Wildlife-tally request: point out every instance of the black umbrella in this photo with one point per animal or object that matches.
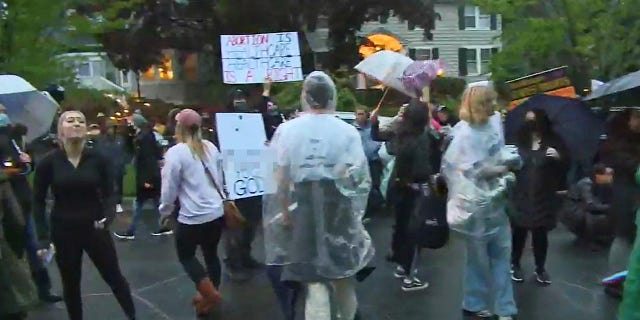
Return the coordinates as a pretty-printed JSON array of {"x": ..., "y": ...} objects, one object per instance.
[
  {"x": 619, "y": 92},
  {"x": 571, "y": 119}
]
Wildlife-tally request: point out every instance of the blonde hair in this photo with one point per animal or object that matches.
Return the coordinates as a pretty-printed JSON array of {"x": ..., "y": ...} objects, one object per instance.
[
  {"x": 477, "y": 104},
  {"x": 192, "y": 137},
  {"x": 62, "y": 119}
]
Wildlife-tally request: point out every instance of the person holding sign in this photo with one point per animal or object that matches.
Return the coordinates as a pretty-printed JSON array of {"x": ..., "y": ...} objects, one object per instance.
[
  {"x": 313, "y": 223},
  {"x": 238, "y": 242},
  {"x": 192, "y": 174}
]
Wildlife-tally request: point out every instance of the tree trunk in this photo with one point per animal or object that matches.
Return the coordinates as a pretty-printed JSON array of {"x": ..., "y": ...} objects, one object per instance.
[{"x": 138, "y": 84}]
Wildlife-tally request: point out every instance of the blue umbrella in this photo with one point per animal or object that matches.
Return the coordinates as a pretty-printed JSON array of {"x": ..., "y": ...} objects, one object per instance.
[
  {"x": 25, "y": 104},
  {"x": 571, "y": 119}
]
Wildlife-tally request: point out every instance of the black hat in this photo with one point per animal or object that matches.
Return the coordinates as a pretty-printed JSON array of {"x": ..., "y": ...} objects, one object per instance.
[{"x": 239, "y": 94}]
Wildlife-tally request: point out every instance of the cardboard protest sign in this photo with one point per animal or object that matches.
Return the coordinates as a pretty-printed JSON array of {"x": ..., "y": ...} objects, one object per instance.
[
  {"x": 553, "y": 82},
  {"x": 247, "y": 161},
  {"x": 252, "y": 58}
]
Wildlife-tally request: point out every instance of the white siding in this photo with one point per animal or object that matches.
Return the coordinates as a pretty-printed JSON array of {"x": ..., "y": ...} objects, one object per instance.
[{"x": 446, "y": 37}]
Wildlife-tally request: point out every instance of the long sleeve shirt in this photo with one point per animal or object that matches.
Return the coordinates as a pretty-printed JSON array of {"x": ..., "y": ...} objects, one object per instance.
[
  {"x": 184, "y": 178},
  {"x": 81, "y": 195},
  {"x": 371, "y": 147}
]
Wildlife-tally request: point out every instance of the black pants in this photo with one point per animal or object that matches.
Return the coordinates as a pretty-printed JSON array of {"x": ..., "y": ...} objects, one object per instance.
[
  {"x": 540, "y": 245},
  {"x": 72, "y": 241},
  {"x": 402, "y": 245},
  {"x": 238, "y": 242},
  {"x": 376, "y": 200},
  {"x": 118, "y": 187},
  {"x": 206, "y": 236}
]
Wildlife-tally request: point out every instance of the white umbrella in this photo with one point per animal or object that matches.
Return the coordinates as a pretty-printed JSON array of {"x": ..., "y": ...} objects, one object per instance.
[
  {"x": 25, "y": 104},
  {"x": 387, "y": 67}
]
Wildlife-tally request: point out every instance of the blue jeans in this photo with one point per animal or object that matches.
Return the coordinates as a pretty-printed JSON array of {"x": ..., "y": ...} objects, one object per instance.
[
  {"x": 287, "y": 294},
  {"x": 137, "y": 212},
  {"x": 488, "y": 271}
]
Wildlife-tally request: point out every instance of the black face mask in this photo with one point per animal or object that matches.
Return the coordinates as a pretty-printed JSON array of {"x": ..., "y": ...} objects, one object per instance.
[{"x": 241, "y": 105}]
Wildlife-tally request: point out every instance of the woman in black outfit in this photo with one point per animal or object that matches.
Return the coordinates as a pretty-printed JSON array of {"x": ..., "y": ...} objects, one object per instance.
[
  {"x": 412, "y": 143},
  {"x": 83, "y": 208},
  {"x": 546, "y": 161}
]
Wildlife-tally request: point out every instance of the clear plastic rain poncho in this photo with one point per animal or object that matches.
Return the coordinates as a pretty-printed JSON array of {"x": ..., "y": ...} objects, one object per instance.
[
  {"x": 477, "y": 193},
  {"x": 313, "y": 223}
]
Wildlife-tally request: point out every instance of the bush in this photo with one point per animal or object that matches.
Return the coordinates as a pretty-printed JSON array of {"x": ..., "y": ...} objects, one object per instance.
[
  {"x": 447, "y": 88},
  {"x": 89, "y": 101}
]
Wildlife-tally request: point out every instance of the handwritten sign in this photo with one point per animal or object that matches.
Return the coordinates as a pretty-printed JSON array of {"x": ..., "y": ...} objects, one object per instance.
[
  {"x": 246, "y": 161},
  {"x": 252, "y": 58}
]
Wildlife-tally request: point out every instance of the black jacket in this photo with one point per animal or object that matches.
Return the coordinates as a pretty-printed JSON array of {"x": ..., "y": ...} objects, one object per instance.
[
  {"x": 535, "y": 194},
  {"x": 148, "y": 155}
]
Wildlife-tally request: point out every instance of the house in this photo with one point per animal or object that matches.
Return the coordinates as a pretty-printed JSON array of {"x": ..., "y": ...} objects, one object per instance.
[{"x": 464, "y": 39}]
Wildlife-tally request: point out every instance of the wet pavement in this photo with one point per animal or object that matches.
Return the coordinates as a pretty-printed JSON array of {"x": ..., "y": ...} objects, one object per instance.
[{"x": 163, "y": 292}]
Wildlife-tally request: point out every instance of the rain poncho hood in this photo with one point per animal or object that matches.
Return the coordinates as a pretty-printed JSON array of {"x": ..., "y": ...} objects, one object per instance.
[
  {"x": 477, "y": 196},
  {"x": 313, "y": 223}
]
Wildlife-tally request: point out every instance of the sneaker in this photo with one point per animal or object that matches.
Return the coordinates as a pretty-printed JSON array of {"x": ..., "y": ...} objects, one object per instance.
[
  {"x": 119, "y": 208},
  {"x": 162, "y": 232},
  {"x": 543, "y": 278},
  {"x": 516, "y": 275},
  {"x": 413, "y": 284},
  {"x": 125, "y": 235},
  {"x": 400, "y": 273},
  {"x": 49, "y": 298},
  {"x": 482, "y": 314}
]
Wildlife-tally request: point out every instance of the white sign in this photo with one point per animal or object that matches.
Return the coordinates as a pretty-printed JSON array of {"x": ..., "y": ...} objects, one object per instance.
[
  {"x": 252, "y": 58},
  {"x": 247, "y": 162}
]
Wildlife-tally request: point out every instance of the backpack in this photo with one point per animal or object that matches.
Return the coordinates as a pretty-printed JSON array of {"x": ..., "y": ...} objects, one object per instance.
[{"x": 428, "y": 225}]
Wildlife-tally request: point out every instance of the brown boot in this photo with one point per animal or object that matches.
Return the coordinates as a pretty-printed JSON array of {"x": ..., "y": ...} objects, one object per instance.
[{"x": 207, "y": 297}]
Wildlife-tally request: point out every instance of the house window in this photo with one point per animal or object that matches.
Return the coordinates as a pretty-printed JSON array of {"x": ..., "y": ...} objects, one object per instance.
[
  {"x": 124, "y": 76},
  {"x": 472, "y": 18},
  {"x": 190, "y": 67},
  {"x": 475, "y": 61},
  {"x": 84, "y": 70},
  {"x": 150, "y": 74},
  {"x": 420, "y": 54},
  {"x": 165, "y": 69}
]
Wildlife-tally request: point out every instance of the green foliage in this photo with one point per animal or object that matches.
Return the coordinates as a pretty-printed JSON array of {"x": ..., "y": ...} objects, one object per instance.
[
  {"x": 595, "y": 38},
  {"x": 447, "y": 88},
  {"x": 89, "y": 101},
  {"x": 28, "y": 41}
]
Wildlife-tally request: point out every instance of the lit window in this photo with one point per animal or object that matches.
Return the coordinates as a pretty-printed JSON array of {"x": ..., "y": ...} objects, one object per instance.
[
  {"x": 165, "y": 69},
  {"x": 190, "y": 67},
  {"x": 150, "y": 74}
]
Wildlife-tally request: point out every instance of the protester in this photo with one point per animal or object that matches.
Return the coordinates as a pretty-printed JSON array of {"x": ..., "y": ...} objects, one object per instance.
[
  {"x": 11, "y": 150},
  {"x": 544, "y": 173},
  {"x": 313, "y": 224},
  {"x": 83, "y": 209},
  {"x": 192, "y": 174},
  {"x": 412, "y": 167},
  {"x": 148, "y": 158},
  {"x": 18, "y": 294},
  {"x": 239, "y": 261},
  {"x": 586, "y": 211},
  {"x": 477, "y": 176},
  {"x": 371, "y": 149},
  {"x": 630, "y": 306},
  {"x": 113, "y": 146},
  {"x": 622, "y": 154}
]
